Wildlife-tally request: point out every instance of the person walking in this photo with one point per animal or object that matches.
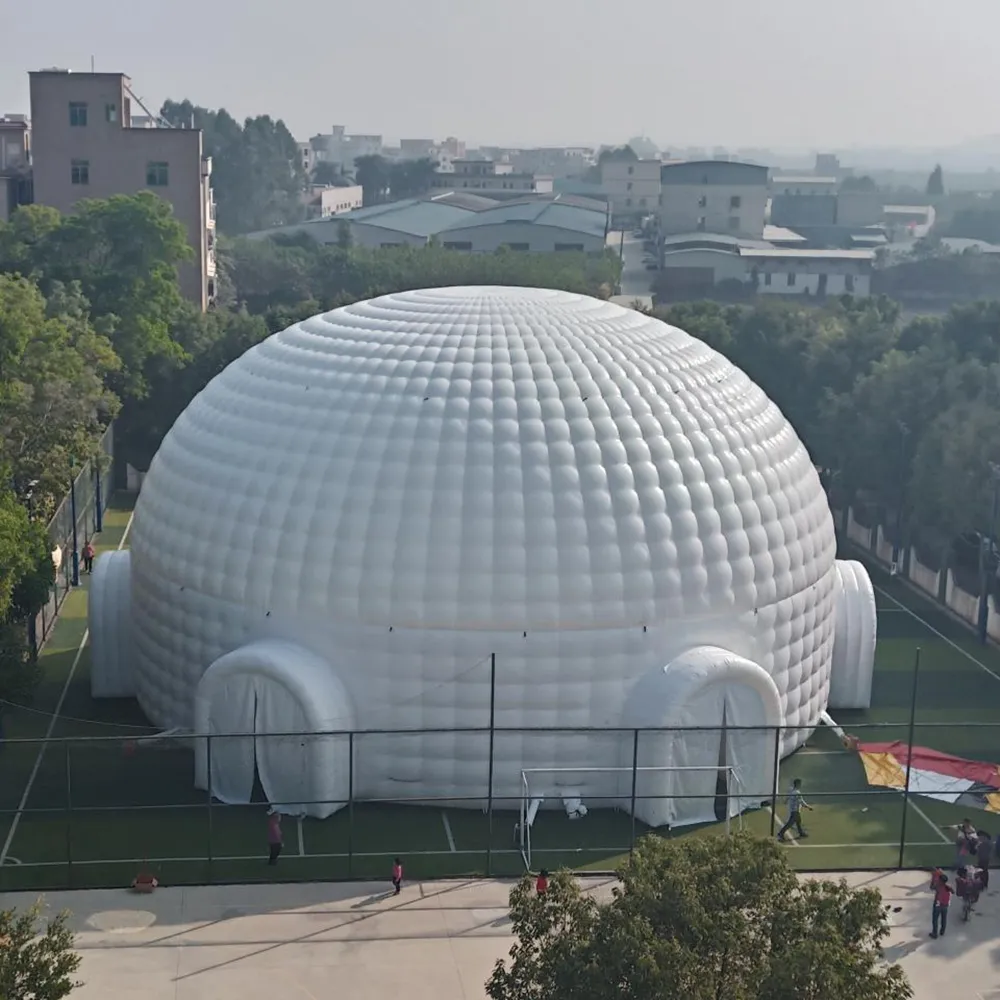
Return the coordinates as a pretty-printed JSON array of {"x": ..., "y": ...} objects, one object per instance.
[
  {"x": 397, "y": 875},
  {"x": 984, "y": 854},
  {"x": 939, "y": 911},
  {"x": 965, "y": 841},
  {"x": 274, "y": 837},
  {"x": 542, "y": 883},
  {"x": 88, "y": 558},
  {"x": 796, "y": 803}
]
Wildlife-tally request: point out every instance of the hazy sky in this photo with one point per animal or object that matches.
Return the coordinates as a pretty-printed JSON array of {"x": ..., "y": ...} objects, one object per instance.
[{"x": 781, "y": 73}]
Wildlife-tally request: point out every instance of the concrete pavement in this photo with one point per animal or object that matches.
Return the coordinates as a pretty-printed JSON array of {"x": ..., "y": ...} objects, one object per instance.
[{"x": 436, "y": 940}]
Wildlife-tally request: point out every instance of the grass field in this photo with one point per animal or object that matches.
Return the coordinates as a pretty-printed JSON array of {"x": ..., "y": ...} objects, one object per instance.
[{"x": 88, "y": 814}]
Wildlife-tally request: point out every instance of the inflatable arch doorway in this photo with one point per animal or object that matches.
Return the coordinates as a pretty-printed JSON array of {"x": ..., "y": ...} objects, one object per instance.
[
  {"x": 274, "y": 695},
  {"x": 726, "y": 694}
]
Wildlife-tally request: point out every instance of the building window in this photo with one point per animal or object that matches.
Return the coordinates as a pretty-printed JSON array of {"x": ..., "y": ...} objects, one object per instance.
[
  {"x": 791, "y": 278},
  {"x": 77, "y": 113},
  {"x": 631, "y": 170},
  {"x": 704, "y": 178},
  {"x": 110, "y": 113},
  {"x": 79, "y": 171},
  {"x": 517, "y": 246},
  {"x": 642, "y": 202},
  {"x": 457, "y": 245},
  {"x": 734, "y": 223},
  {"x": 849, "y": 282},
  {"x": 569, "y": 248},
  {"x": 703, "y": 201},
  {"x": 702, "y": 225},
  {"x": 735, "y": 201},
  {"x": 767, "y": 278},
  {"x": 157, "y": 174},
  {"x": 628, "y": 187}
]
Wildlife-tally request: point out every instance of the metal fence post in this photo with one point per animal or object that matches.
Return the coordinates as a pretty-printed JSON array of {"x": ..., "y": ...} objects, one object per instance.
[
  {"x": 489, "y": 790},
  {"x": 350, "y": 803},
  {"x": 635, "y": 779},
  {"x": 72, "y": 510},
  {"x": 98, "y": 498},
  {"x": 909, "y": 755},
  {"x": 69, "y": 817},
  {"x": 208, "y": 760},
  {"x": 774, "y": 779}
]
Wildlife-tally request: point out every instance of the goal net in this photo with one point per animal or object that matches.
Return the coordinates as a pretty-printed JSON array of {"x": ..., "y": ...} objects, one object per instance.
[{"x": 562, "y": 785}]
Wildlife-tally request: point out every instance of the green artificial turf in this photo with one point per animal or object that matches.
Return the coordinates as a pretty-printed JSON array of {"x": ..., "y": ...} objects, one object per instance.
[{"x": 99, "y": 809}]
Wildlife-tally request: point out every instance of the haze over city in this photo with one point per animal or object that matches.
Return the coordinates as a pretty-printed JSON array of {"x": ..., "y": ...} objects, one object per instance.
[{"x": 782, "y": 74}]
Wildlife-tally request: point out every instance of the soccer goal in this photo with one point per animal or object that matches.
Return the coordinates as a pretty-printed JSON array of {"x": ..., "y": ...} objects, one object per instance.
[{"x": 563, "y": 784}]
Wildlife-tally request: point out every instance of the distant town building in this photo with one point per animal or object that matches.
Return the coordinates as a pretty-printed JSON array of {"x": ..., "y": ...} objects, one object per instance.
[
  {"x": 84, "y": 145},
  {"x": 490, "y": 179},
  {"x": 322, "y": 201},
  {"x": 460, "y": 220},
  {"x": 631, "y": 185},
  {"x": 15, "y": 163},
  {"x": 342, "y": 149},
  {"x": 713, "y": 196}
]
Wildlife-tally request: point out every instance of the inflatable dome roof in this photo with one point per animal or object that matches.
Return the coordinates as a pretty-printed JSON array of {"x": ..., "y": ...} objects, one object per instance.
[{"x": 485, "y": 458}]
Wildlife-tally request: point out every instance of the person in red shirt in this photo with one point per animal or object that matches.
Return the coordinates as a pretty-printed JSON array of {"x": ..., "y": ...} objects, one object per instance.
[
  {"x": 939, "y": 913},
  {"x": 397, "y": 875},
  {"x": 542, "y": 882},
  {"x": 88, "y": 558}
]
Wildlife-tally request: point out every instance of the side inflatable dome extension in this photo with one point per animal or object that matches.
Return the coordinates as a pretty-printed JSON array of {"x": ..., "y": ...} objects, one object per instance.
[
  {"x": 262, "y": 705},
  {"x": 737, "y": 703},
  {"x": 855, "y": 634},
  {"x": 109, "y": 614}
]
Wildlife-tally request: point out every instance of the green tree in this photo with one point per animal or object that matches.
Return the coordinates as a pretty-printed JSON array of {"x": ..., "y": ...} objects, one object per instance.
[
  {"x": 257, "y": 171},
  {"x": 373, "y": 174},
  {"x": 935, "y": 183},
  {"x": 411, "y": 178},
  {"x": 644, "y": 147},
  {"x": 333, "y": 174},
  {"x": 36, "y": 962},
  {"x": 699, "y": 918}
]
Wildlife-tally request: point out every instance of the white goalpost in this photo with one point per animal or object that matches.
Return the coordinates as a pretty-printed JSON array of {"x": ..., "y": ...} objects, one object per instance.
[{"x": 541, "y": 783}]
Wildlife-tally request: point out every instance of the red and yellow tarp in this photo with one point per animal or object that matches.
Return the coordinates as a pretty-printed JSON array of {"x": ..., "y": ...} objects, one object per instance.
[{"x": 932, "y": 773}]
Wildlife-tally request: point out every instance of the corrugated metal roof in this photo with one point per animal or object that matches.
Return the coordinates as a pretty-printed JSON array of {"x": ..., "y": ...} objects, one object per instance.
[
  {"x": 782, "y": 235},
  {"x": 415, "y": 218},
  {"x": 540, "y": 213},
  {"x": 808, "y": 254}
]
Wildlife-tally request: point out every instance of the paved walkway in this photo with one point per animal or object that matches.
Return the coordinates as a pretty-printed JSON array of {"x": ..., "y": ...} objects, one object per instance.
[{"x": 437, "y": 940}]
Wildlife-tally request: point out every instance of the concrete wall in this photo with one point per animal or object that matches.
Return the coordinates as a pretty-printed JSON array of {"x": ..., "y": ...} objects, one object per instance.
[
  {"x": 374, "y": 237},
  {"x": 539, "y": 239},
  {"x": 632, "y": 187},
  {"x": 773, "y": 277},
  {"x": 734, "y": 209},
  {"x": 117, "y": 158},
  {"x": 725, "y": 265}
]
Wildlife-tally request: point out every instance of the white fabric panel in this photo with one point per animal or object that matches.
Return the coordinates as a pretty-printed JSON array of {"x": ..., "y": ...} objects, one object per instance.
[
  {"x": 938, "y": 786},
  {"x": 109, "y": 614},
  {"x": 704, "y": 687},
  {"x": 233, "y": 710},
  {"x": 855, "y": 635},
  {"x": 406, "y": 485},
  {"x": 274, "y": 694}
]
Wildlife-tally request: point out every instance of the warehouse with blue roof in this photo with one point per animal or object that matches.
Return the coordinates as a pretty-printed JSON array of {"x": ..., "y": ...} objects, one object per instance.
[{"x": 460, "y": 221}]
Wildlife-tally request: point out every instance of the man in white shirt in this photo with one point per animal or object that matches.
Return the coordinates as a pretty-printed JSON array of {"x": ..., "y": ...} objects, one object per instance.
[{"x": 796, "y": 803}]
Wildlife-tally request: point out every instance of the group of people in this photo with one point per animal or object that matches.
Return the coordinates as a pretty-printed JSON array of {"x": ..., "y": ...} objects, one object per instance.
[
  {"x": 276, "y": 840},
  {"x": 973, "y": 854}
]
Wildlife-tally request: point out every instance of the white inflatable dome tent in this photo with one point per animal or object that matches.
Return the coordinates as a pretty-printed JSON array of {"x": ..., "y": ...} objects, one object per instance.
[{"x": 346, "y": 525}]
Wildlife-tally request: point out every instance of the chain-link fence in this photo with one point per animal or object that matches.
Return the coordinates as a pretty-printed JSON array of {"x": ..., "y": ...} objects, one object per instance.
[
  {"x": 76, "y": 520},
  {"x": 99, "y": 810}
]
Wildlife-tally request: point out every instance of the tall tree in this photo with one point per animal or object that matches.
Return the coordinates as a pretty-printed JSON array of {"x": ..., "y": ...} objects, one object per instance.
[
  {"x": 373, "y": 174},
  {"x": 257, "y": 171},
  {"x": 935, "y": 183},
  {"x": 699, "y": 918},
  {"x": 411, "y": 178}
]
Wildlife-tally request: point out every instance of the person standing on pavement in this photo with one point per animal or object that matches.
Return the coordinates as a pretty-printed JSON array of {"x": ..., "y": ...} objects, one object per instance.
[
  {"x": 984, "y": 854},
  {"x": 275, "y": 840},
  {"x": 939, "y": 912}
]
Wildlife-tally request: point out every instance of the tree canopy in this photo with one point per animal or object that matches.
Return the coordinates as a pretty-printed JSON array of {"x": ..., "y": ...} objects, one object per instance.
[
  {"x": 935, "y": 183},
  {"x": 36, "y": 962},
  {"x": 699, "y": 918},
  {"x": 257, "y": 171}
]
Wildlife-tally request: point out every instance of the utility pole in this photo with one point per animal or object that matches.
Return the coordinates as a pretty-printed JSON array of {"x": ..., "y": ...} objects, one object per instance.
[
  {"x": 986, "y": 547},
  {"x": 897, "y": 542}
]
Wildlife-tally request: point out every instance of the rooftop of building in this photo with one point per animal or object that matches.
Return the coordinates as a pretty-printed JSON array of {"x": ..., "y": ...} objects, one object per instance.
[
  {"x": 554, "y": 212},
  {"x": 796, "y": 254}
]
